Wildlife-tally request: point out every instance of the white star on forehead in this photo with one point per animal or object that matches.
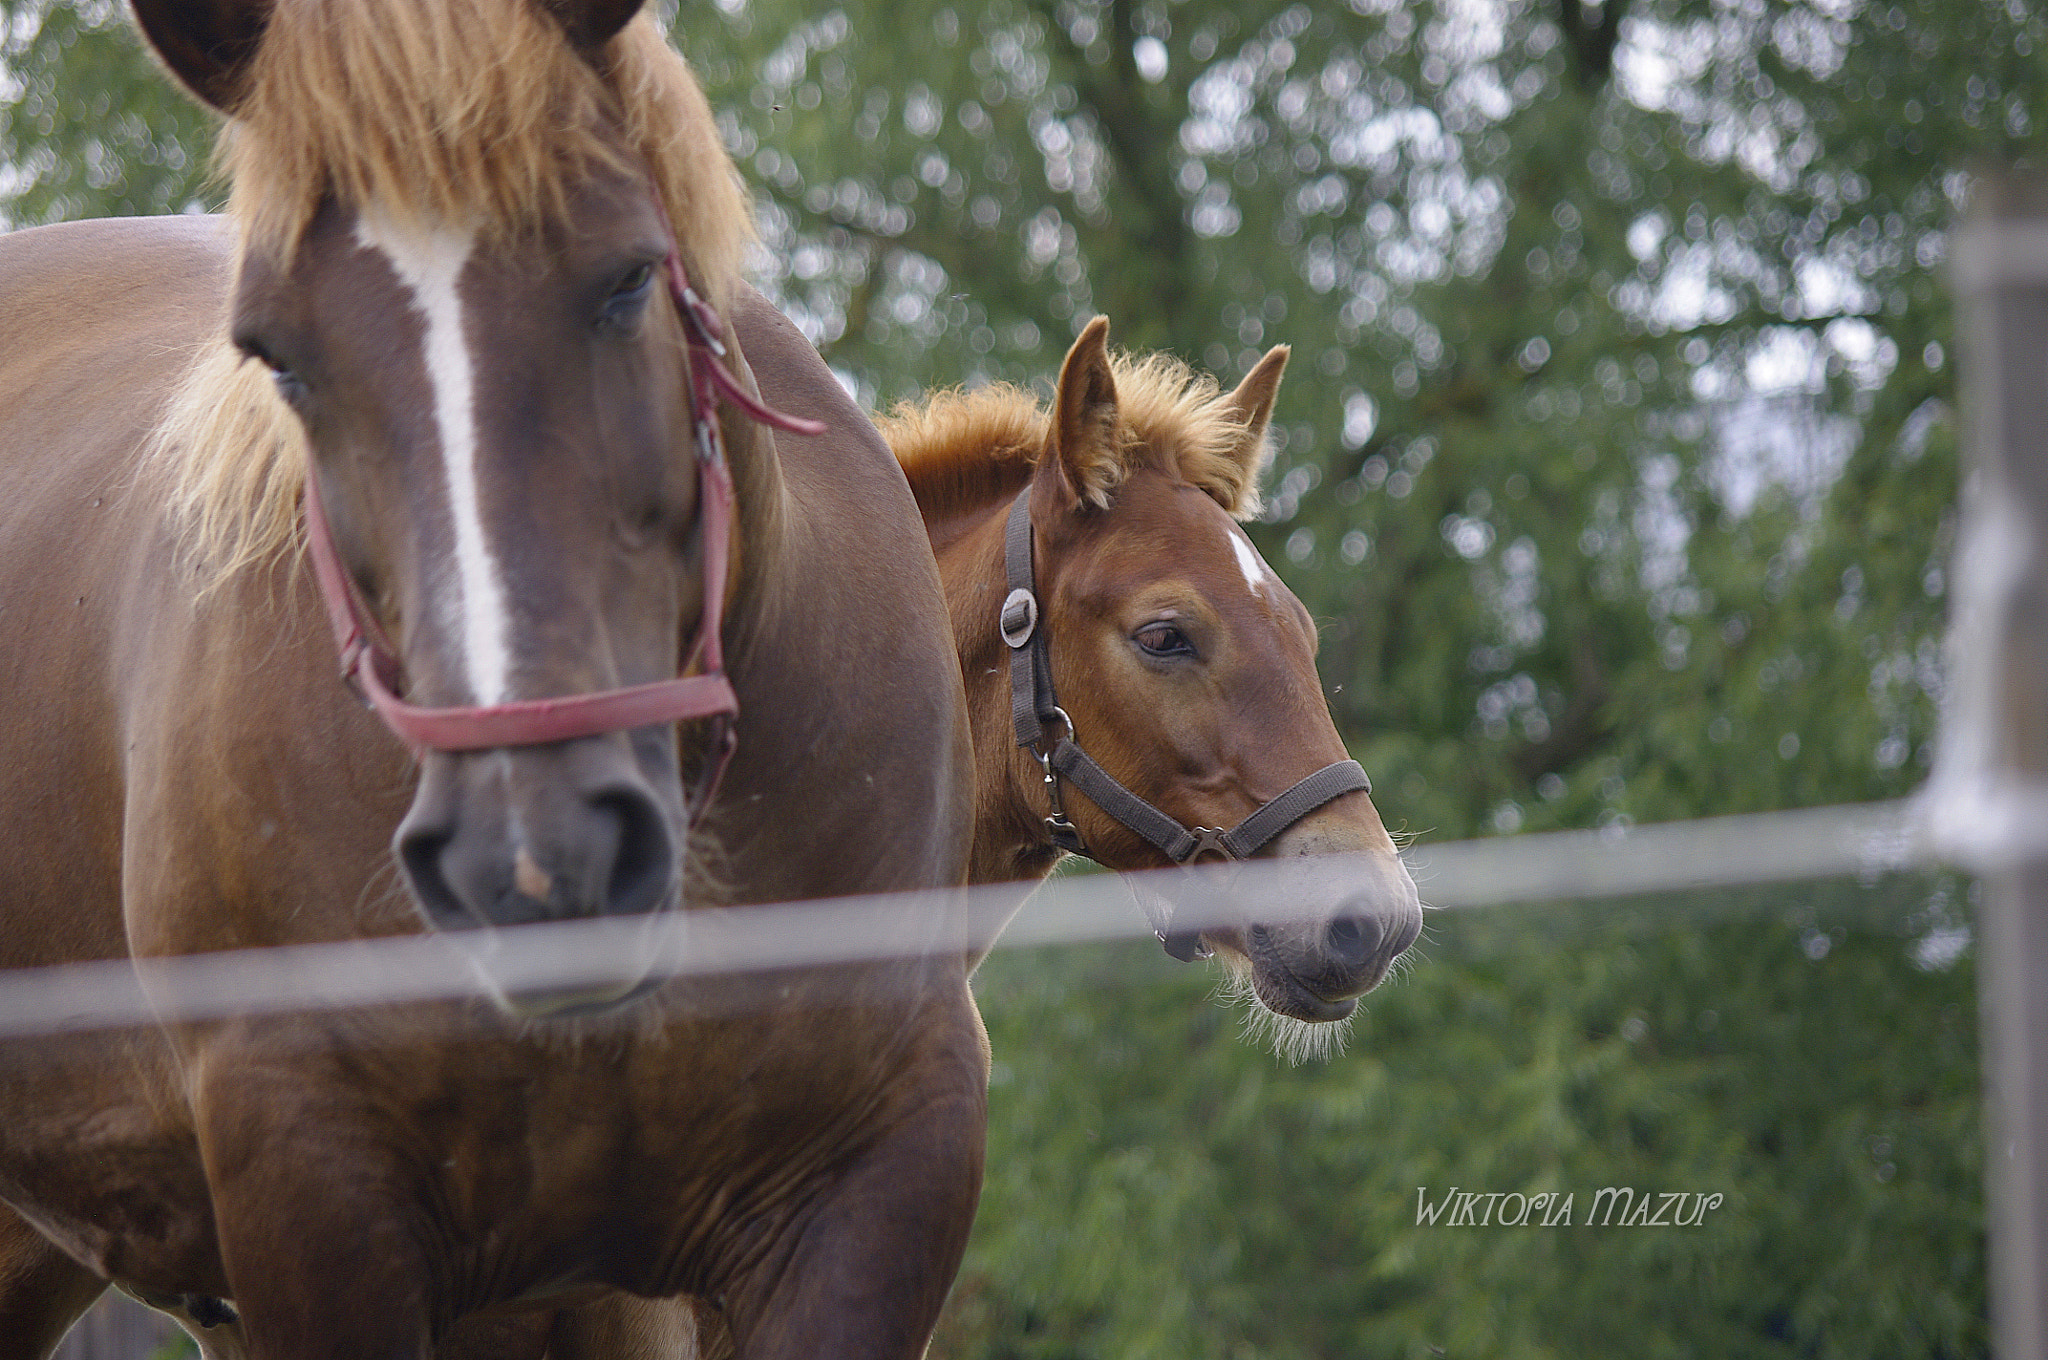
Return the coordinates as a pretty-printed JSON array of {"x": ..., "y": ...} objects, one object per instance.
[{"x": 1256, "y": 572}]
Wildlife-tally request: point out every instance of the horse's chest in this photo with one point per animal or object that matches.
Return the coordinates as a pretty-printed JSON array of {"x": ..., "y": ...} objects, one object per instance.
[{"x": 660, "y": 1164}]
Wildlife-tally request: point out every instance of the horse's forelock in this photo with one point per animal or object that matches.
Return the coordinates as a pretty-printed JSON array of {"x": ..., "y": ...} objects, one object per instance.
[
  {"x": 471, "y": 111},
  {"x": 1185, "y": 420},
  {"x": 966, "y": 446}
]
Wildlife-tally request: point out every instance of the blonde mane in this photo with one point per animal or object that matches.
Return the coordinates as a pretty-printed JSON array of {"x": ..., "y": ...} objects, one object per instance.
[
  {"x": 962, "y": 448},
  {"x": 472, "y": 111}
]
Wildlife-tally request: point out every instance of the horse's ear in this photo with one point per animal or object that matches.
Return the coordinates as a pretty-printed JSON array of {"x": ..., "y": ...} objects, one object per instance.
[
  {"x": 1082, "y": 453},
  {"x": 591, "y": 24},
  {"x": 207, "y": 44},
  {"x": 1252, "y": 406}
]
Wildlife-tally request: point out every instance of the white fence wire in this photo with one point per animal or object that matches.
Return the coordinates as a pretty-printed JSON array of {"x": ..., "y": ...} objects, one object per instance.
[{"x": 1863, "y": 841}]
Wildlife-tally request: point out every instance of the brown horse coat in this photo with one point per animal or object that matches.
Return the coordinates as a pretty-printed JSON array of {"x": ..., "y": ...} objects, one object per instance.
[{"x": 800, "y": 1152}]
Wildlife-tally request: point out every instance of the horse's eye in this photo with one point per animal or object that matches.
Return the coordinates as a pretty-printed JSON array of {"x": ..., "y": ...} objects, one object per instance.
[
  {"x": 622, "y": 306},
  {"x": 1163, "y": 639},
  {"x": 635, "y": 281},
  {"x": 290, "y": 385}
]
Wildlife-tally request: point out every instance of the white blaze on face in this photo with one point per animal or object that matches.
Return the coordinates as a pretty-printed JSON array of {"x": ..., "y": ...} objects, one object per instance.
[
  {"x": 1257, "y": 575},
  {"x": 429, "y": 264}
]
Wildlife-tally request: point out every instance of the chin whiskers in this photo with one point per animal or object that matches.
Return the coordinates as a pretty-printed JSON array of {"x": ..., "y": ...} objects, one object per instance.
[{"x": 1292, "y": 1041}]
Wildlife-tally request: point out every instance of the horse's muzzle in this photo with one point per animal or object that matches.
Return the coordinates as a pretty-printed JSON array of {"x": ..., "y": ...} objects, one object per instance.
[
  {"x": 564, "y": 832},
  {"x": 1332, "y": 936}
]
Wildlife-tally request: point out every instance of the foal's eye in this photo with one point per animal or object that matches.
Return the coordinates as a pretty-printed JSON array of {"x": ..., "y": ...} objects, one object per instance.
[
  {"x": 1163, "y": 639},
  {"x": 622, "y": 306}
]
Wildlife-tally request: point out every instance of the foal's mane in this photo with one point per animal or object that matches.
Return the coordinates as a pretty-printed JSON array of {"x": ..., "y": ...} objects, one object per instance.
[
  {"x": 478, "y": 112},
  {"x": 963, "y": 448}
]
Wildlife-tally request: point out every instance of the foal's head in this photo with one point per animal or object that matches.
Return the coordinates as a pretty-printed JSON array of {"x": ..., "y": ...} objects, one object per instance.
[
  {"x": 455, "y": 218},
  {"x": 1184, "y": 664}
]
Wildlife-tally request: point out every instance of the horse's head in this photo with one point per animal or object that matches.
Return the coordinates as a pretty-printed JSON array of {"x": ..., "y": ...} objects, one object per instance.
[
  {"x": 456, "y": 223},
  {"x": 1187, "y": 671}
]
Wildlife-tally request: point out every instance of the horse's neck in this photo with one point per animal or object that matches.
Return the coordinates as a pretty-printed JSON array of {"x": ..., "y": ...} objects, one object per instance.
[{"x": 1009, "y": 840}]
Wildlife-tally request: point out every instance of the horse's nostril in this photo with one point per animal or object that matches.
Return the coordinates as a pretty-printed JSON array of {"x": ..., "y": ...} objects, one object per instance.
[
  {"x": 643, "y": 857},
  {"x": 1353, "y": 938},
  {"x": 421, "y": 853}
]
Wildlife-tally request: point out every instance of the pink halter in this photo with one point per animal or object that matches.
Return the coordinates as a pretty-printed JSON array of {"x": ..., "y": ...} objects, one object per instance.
[{"x": 372, "y": 668}]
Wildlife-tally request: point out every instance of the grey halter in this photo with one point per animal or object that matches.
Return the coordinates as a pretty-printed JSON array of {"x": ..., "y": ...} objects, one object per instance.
[{"x": 1035, "y": 711}]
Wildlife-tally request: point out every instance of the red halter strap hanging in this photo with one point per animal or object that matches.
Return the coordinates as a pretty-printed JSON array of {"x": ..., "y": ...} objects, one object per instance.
[{"x": 371, "y": 666}]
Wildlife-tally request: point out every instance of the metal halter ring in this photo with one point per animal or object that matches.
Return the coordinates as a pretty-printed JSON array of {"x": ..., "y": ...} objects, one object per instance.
[{"x": 1044, "y": 748}]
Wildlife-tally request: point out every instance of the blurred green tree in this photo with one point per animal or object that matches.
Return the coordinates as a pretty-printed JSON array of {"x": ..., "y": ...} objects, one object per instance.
[
  {"x": 1618, "y": 451},
  {"x": 89, "y": 127}
]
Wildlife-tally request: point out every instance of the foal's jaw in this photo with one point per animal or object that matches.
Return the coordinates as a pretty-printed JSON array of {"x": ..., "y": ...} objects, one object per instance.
[{"x": 1347, "y": 909}]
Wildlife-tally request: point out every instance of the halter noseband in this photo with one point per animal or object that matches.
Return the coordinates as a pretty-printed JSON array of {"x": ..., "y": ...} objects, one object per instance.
[
  {"x": 372, "y": 669},
  {"x": 1034, "y": 709}
]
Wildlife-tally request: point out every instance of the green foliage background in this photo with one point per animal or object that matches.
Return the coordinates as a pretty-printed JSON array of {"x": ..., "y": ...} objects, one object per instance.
[{"x": 1618, "y": 464}]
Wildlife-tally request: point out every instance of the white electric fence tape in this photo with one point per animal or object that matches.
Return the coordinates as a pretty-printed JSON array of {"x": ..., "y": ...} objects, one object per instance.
[{"x": 1865, "y": 841}]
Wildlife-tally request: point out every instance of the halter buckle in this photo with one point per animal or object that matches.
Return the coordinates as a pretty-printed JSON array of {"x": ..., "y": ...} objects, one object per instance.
[
  {"x": 1207, "y": 839},
  {"x": 354, "y": 655},
  {"x": 1042, "y": 752},
  {"x": 1018, "y": 620},
  {"x": 710, "y": 443},
  {"x": 1058, "y": 828}
]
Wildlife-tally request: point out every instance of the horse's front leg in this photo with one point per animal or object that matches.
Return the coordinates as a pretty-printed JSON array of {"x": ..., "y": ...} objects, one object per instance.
[
  {"x": 42, "y": 1290},
  {"x": 869, "y": 1266},
  {"x": 323, "y": 1226}
]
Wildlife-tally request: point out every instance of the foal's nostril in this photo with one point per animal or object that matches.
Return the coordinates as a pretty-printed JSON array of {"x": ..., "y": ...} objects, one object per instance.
[
  {"x": 1408, "y": 932},
  {"x": 643, "y": 852},
  {"x": 1353, "y": 939}
]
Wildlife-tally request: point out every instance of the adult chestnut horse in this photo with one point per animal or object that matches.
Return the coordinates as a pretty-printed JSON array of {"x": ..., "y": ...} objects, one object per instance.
[
  {"x": 1141, "y": 686},
  {"x": 463, "y": 325}
]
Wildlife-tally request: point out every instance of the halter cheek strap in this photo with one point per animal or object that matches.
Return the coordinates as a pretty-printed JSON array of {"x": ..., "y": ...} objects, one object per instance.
[
  {"x": 371, "y": 666},
  {"x": 1035, "y": 711}
]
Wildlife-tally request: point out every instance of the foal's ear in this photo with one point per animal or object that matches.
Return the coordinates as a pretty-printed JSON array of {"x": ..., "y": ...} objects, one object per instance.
[
  {"x": 1082, "y": 457},
  {"x": 207, "y": 44},
  {"x": 591, "y": 24},
  {"x": 1252, "y": 405}
]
